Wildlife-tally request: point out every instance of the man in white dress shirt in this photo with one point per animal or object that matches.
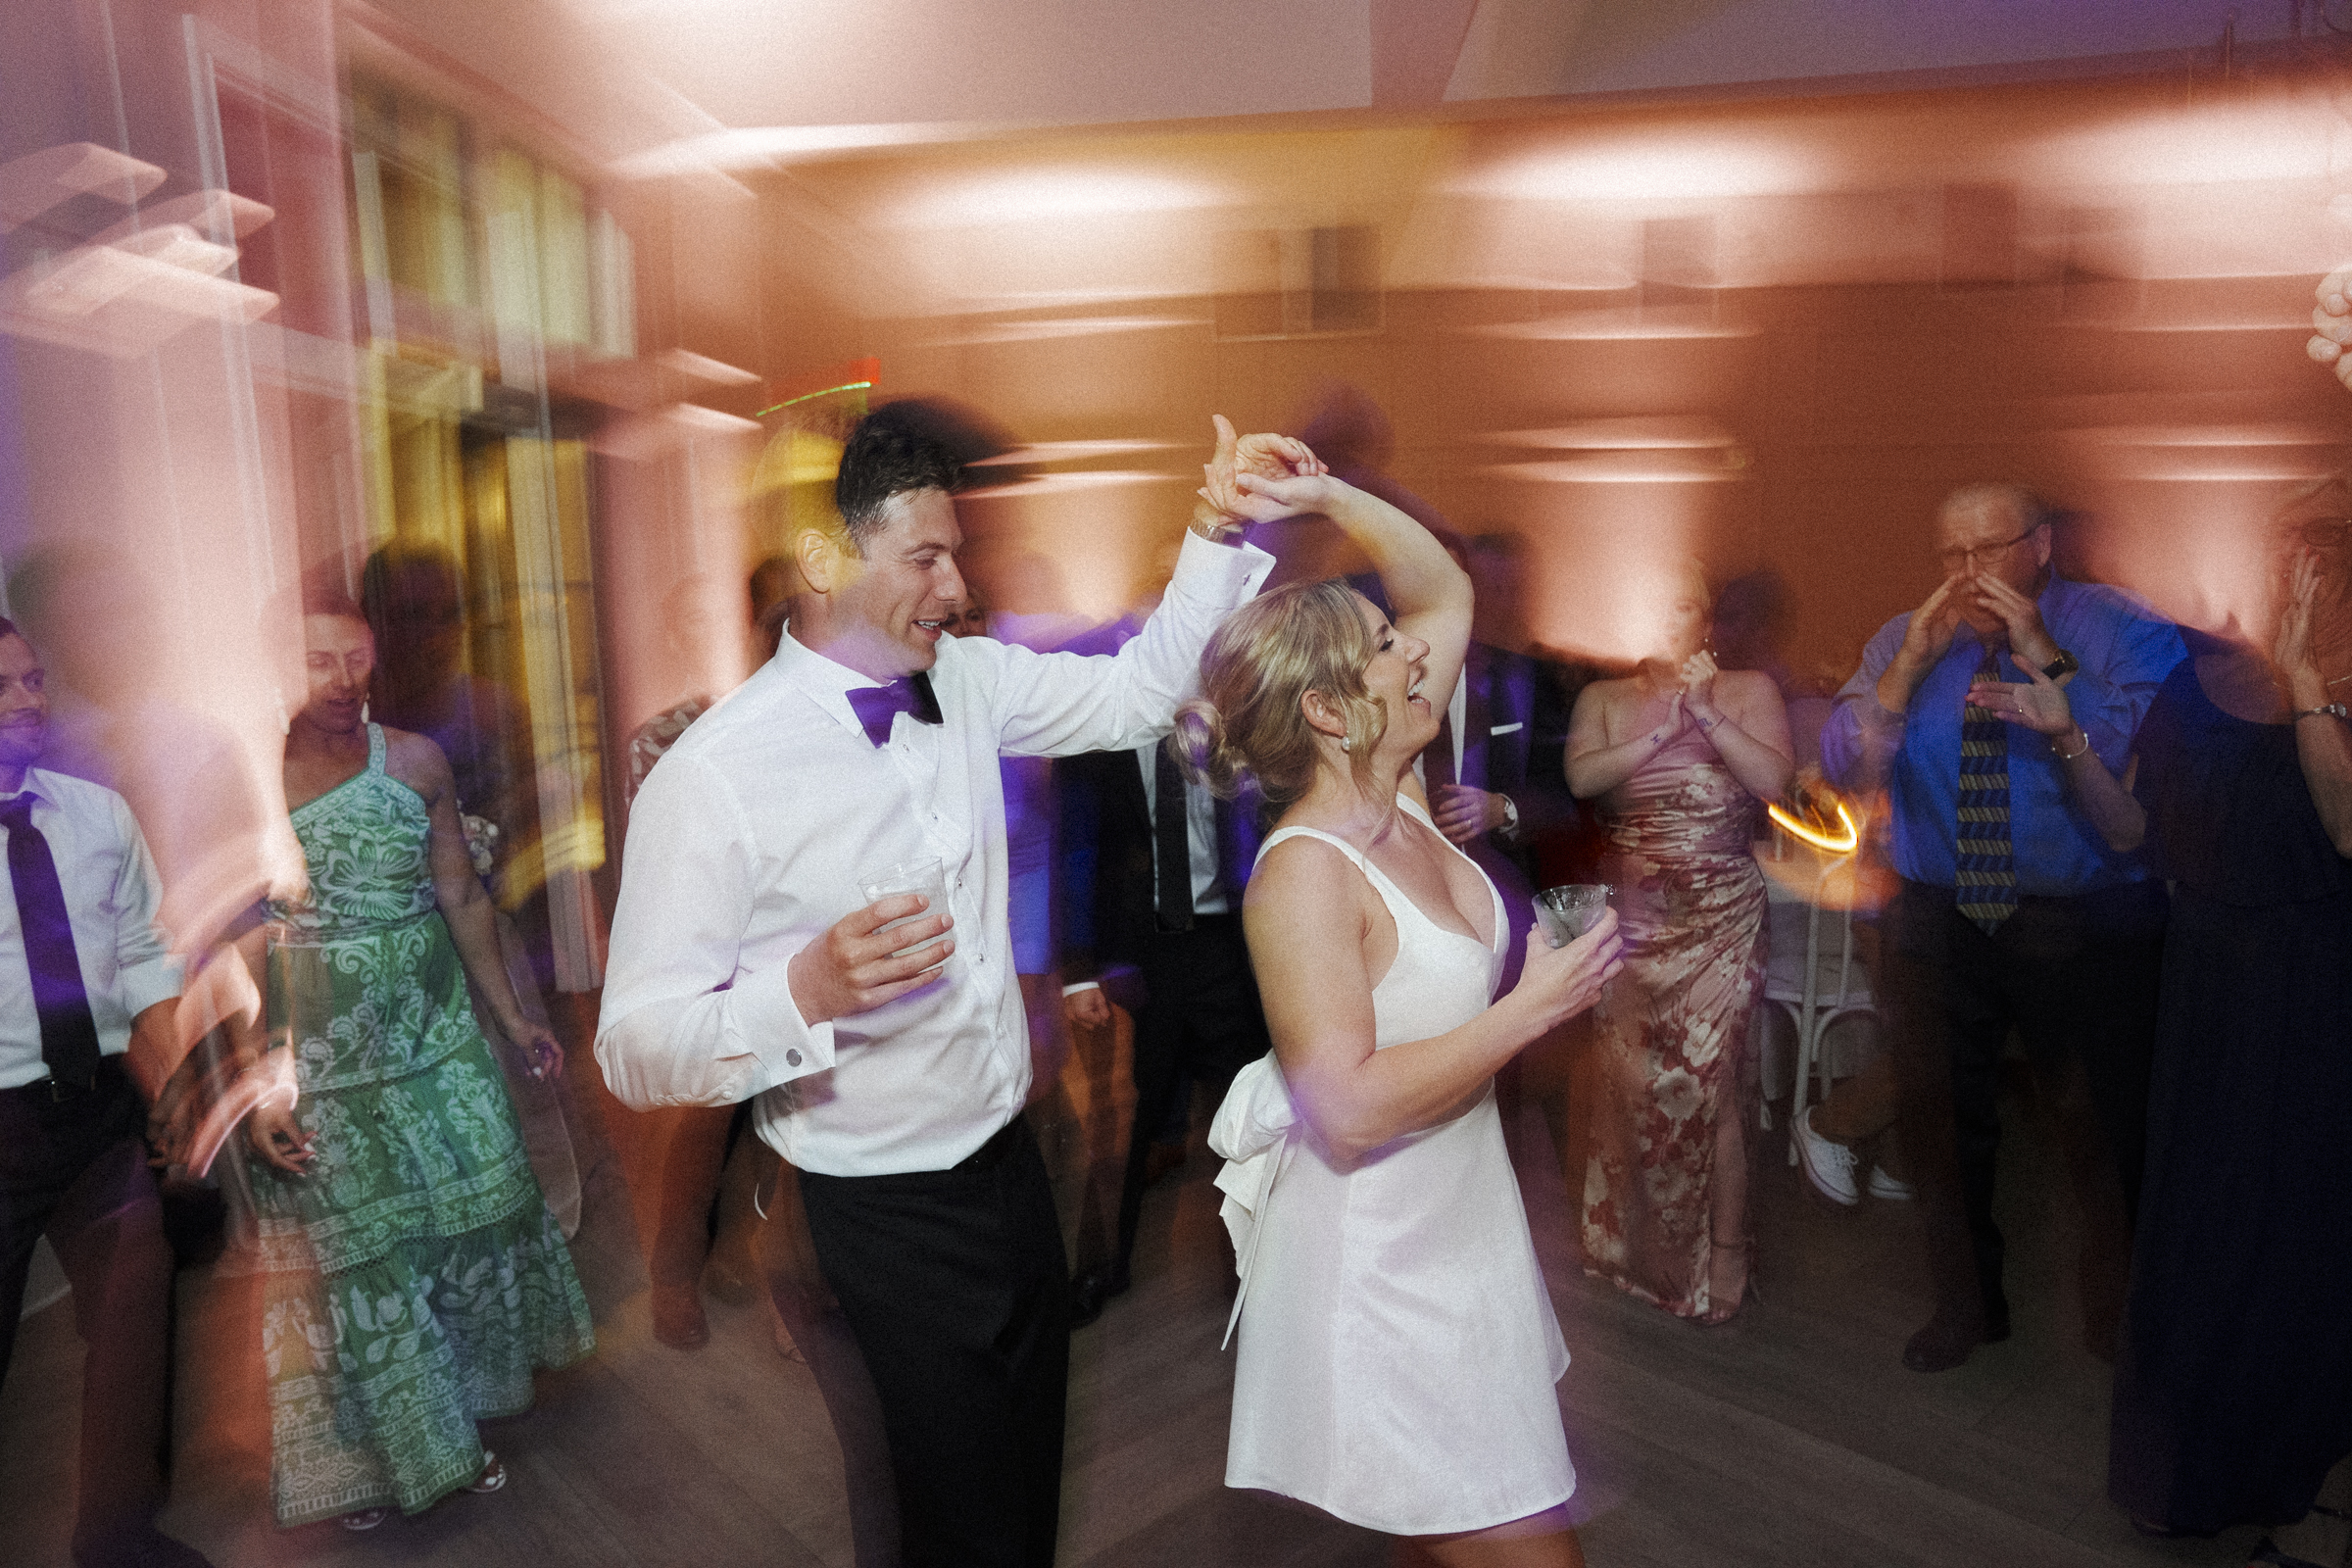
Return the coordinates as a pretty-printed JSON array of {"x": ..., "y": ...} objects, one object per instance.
[
  {"x": 891, "y": 1067},
  {"x": 87, "y": 992}
]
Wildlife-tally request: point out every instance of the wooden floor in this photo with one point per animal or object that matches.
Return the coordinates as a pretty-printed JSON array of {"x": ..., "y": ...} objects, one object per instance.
[{"x": 1793, "y": 1436}]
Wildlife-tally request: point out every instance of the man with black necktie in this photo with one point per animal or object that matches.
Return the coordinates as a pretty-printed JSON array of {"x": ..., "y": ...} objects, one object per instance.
[
  {"x": 1153, "y": 871},
  {"x": 86, "y": 1000}
]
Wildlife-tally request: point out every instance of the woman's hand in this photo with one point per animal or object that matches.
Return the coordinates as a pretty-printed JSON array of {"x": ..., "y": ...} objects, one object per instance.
[
  {"x": 2331, "y": 322},
  {"x": 2039, "y": 704},
  {"x": 1562, "y": 982},
  {"x": 2290, "y": 650},
  {"x": 1274, "y": 457},
  {"x": 1698, "y": 689},
  {"x": 279, "y": 1138},
  {"x": 539, "y": 1047}
]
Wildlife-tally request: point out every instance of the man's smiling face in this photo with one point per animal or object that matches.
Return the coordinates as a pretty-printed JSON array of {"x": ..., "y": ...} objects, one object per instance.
[{"x": 903, "y": 593}]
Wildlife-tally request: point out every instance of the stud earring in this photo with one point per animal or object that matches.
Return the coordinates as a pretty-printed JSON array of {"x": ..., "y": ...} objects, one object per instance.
[{"x": 1346, "y": 745}]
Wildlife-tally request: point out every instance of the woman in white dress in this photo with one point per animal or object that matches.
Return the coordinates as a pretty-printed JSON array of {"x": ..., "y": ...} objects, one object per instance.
[{"x": 1397, "y": 1349}]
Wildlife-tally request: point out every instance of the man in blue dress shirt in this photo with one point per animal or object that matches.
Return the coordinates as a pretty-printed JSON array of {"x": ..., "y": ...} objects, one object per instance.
[{"x": 2013, "y": 912}]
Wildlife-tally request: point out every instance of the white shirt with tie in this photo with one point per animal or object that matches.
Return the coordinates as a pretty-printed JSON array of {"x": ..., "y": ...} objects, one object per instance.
[
  {"x": 754, "y": 834},
  {"x": 112, "y": 896}
]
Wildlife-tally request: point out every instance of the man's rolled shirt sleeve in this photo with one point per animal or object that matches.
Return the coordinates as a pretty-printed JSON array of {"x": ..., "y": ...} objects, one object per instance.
[{"x": 145, "y": 970}]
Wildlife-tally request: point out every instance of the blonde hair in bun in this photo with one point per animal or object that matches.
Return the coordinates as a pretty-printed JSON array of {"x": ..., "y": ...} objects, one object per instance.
[{"x": 1248, "y": 721}]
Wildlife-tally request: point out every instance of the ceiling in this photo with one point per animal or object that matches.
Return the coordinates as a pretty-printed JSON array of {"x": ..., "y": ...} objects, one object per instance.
[{"x": 651, "y": 85}]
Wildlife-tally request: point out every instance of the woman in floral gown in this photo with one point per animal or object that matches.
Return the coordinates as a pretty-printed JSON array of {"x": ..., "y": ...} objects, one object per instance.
[
  {"x": 1678, "y": 756},
  {"x": 414, "y": 1277}
]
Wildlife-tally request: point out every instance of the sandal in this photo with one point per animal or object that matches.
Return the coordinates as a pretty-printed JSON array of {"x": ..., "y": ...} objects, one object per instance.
[
  {"x": 1717, "y": 1316},
  {"x": 364, "y": 1518},
  {"x": 493, "y": 1477}
]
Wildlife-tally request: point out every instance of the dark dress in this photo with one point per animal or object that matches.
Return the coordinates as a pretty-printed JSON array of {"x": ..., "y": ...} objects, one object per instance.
[{"x": 2234, "y": 1382}]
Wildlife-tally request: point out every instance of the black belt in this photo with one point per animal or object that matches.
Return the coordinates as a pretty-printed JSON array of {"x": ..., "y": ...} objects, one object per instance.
[
  {"x": 991, "y": 1154},
  {"x": 110, "y": 1080}
]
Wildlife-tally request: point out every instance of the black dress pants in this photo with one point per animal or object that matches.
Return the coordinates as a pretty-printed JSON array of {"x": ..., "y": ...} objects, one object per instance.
[
  {"x": 75, "y": 1168},
  {"x": 1202, "y": 1022},
  {"x": 954, "y": 1285},
  {"x": 2077, "y": 978}
]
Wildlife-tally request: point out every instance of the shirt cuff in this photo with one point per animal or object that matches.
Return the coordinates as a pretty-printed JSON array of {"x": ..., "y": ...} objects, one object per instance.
[
  {"x": 1220, "y": 574},
  {"x": 144, "y": 984},
  {"x": 768, "y": 1025}
]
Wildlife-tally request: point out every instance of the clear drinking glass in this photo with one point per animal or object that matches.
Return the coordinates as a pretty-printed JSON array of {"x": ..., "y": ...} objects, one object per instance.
[
  {"x": 928, "y": 877},
  {"x": 1570, "y": 911}
]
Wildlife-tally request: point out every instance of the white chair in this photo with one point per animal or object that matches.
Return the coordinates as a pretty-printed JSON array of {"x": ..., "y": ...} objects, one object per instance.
[{"x": 1812, "y": 973}]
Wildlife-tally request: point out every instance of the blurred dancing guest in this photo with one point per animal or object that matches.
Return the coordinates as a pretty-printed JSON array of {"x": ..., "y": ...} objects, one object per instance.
[
  {"x": 1397, "y": 1349},
  {"x": 2234, "y": 1385},
  {"x": 1159, "y": 864},
  {"x": 2012, "y": 911},
  {"x": 693, "y": 1152},
  {"x": 415, "y": 1276},
  {"x": 85, "y": 1043},
  {"x": 1680, "y": 756},
  {"x": 893, "y": 1064}
]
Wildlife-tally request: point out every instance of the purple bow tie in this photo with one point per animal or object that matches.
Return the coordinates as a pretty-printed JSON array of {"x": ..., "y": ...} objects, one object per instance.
[{"x": 877, "y": 705}]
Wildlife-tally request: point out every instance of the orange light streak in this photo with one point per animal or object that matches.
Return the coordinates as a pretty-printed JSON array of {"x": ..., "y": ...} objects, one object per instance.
[{"x": 1847, "y": 840}]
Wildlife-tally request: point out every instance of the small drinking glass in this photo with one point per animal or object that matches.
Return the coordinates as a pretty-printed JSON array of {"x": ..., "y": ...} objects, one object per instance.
[
  {"x": 927, "y": 877},
  {"x": 1570, "y": 911}
]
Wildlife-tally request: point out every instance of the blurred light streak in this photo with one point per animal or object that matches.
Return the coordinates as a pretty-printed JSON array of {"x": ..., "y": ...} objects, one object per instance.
[
  {"x": 34, "y": 183},
  {"x": 1073, "y": 326},
  {"x": 1838, "y": 836},
  {"x": 2279, "y": 137},
  {"x": 1614, "y": 324},
  {"x": 1016, "y": 196},
  {"x": 1659, "y": 166},
  {"x": 1055, "y": 484},
  {"x": 1037, "y": 452},
  {"x": 1662, "y": 432},
  {"x": 764, "y": 146},
  {"x": 114, "y": 301},
  {"x": 644, "y": 437},
  {"x": 1609, "y": 469}
]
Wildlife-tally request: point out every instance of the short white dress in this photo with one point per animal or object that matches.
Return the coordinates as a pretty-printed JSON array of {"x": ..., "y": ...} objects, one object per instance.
[{"x": 1397, "y": 1347}]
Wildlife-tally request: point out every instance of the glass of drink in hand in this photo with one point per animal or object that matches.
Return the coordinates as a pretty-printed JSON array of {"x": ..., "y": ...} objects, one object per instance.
[
  {"x": 1570, "y": 911},
  {"x": 927, "y": 877}
]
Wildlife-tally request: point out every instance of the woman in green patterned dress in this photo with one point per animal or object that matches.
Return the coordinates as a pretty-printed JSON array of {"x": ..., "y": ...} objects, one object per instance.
[{"x": 416, "y": 1278}]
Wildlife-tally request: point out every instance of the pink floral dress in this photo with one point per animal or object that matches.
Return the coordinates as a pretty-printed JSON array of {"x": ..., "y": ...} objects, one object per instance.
[{"x": 1671, "y": 1034}]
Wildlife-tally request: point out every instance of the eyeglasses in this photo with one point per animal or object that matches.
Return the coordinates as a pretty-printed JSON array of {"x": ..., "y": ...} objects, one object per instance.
[{"x": 1973, "y": 555}]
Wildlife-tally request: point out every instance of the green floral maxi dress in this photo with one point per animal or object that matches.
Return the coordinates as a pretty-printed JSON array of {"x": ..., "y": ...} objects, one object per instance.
[{"x": 414, "y": 1275}]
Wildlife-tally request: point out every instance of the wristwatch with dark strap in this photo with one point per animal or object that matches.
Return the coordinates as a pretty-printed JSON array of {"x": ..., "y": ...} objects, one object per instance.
[{"x": 2065, "y": 663}]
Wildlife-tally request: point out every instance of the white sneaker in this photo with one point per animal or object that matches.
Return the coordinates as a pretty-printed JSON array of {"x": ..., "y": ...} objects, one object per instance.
[
  {"x": 1828, "y": 1164},
  {"x": 1885, "y": 1186}
]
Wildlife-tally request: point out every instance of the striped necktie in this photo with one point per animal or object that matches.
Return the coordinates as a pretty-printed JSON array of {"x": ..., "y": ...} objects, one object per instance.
[{"x": 1985, "y": 859}]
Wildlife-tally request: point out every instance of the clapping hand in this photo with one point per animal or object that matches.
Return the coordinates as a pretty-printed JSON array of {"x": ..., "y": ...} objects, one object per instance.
[
  {"x": 1928, "y": 634},
  {"x": 2290, "y": 650},
  {"x": 2332, "y": 323},
  {"x": 1698, "y": 689},
  {"x": 2020, "y": 615},
  {"x": 1242, "y": 467},
  {"x": 2039, "y": 704}
]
